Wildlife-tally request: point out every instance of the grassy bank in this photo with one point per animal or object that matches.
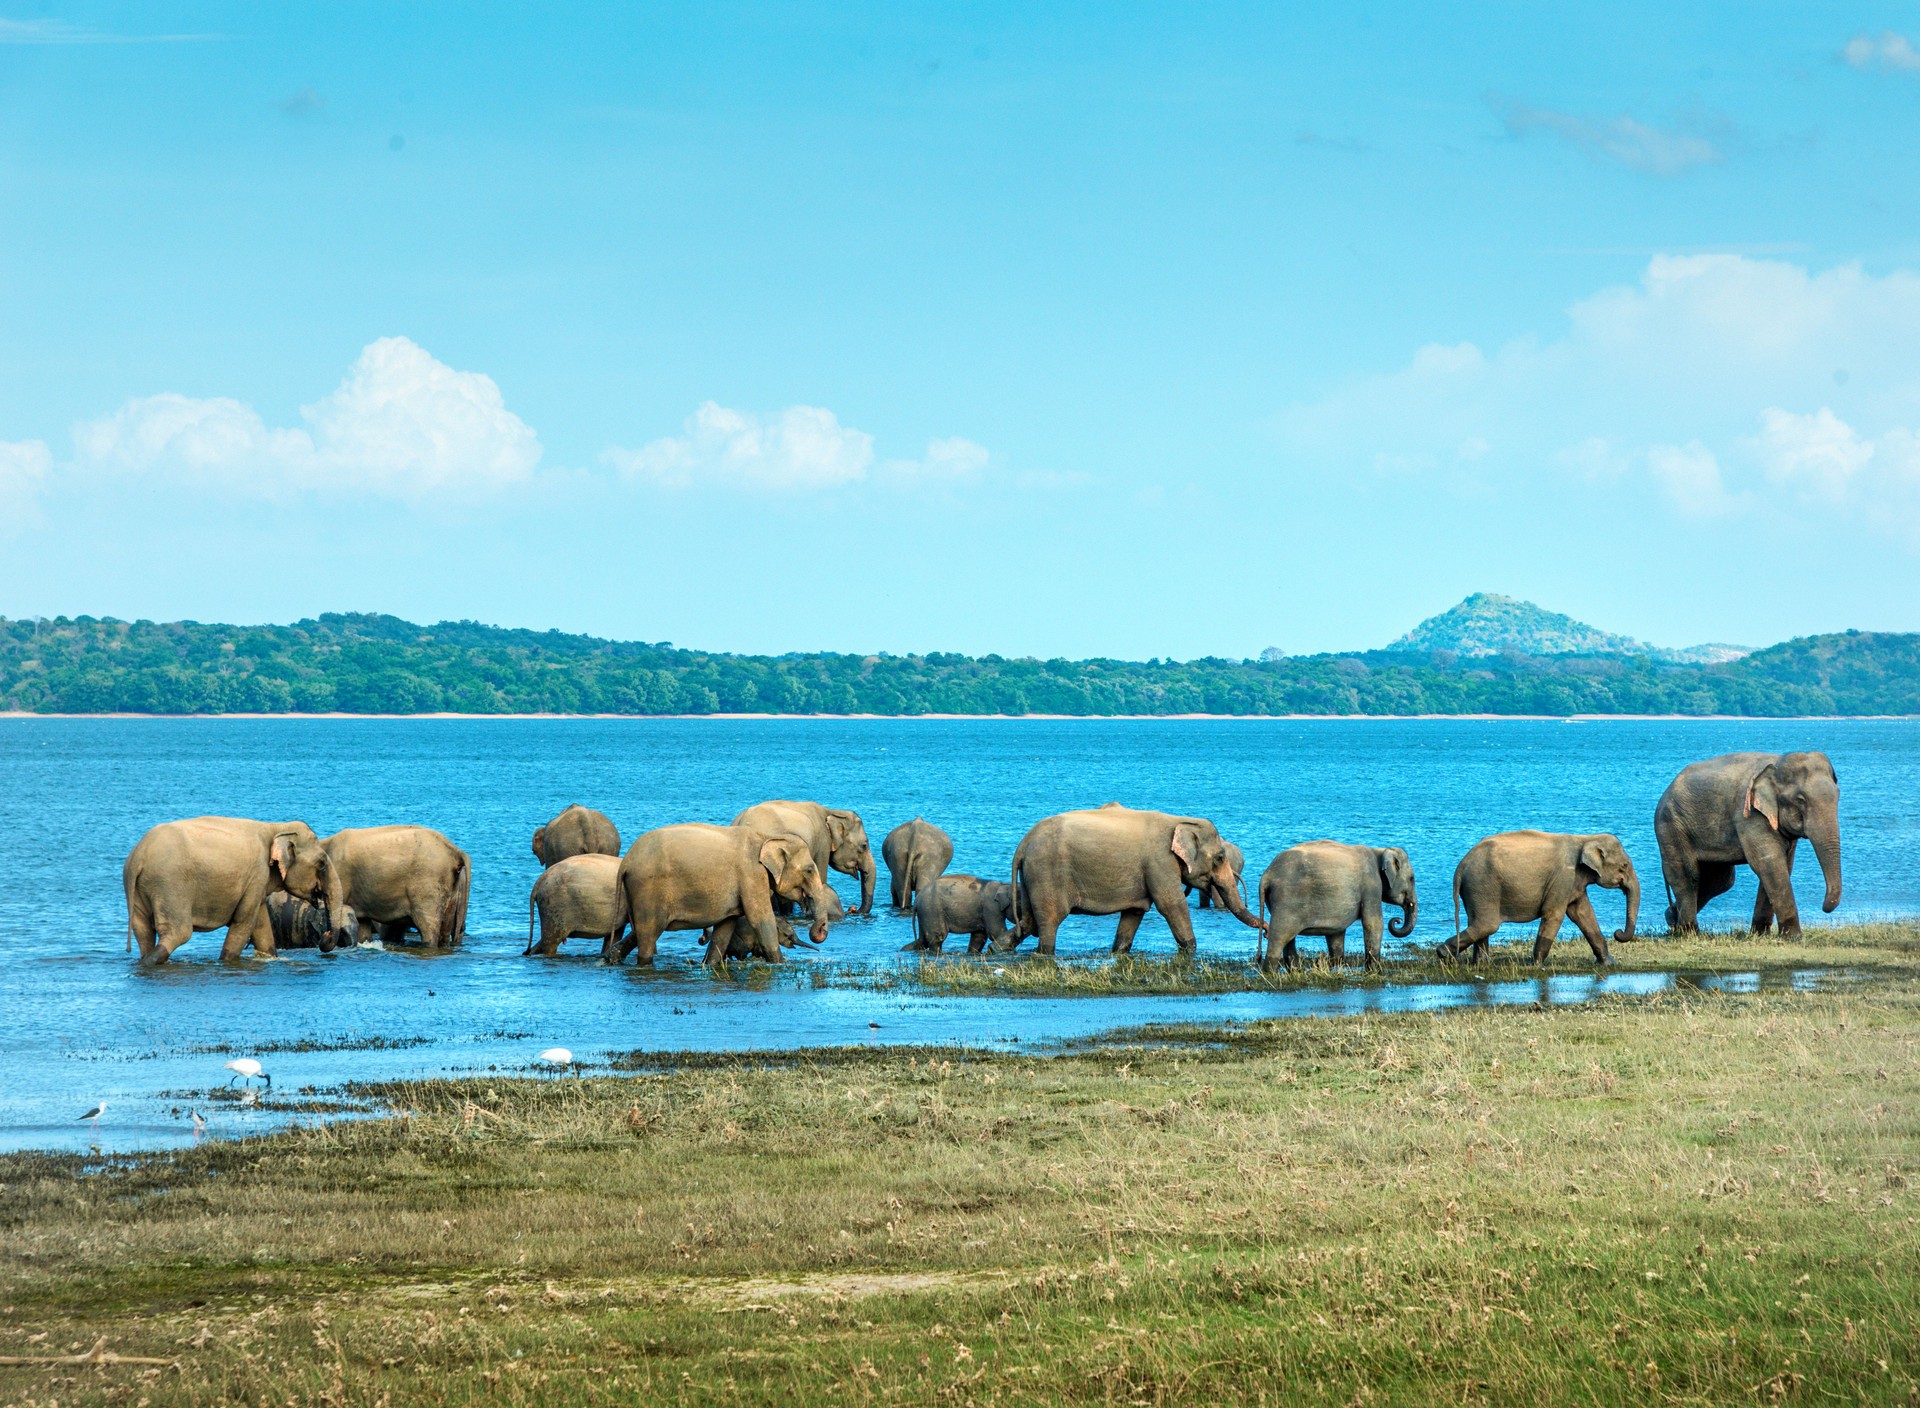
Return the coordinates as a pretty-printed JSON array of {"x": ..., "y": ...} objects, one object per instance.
[{"x": 1701, "y": 1198}]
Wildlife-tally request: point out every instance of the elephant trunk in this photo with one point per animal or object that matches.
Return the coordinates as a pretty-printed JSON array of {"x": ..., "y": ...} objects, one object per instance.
[
  {"x": 337, "y": 912},
  {"x": 1825, "y": 836},
  {"x": 1227, "y": 893},
  {"x": 1409, "y": 912},
  {"x": 867, "y": 872},
  {"x": 1631, "y": 888},
  {"x": 818, "y": 909}
]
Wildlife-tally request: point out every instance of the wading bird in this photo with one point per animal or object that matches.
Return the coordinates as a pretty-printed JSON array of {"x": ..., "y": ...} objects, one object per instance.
[
  {"x": 248, "y": 1067},
  {"x": 557, "y": 1056},
  {"x": 199, "y": 1125}
]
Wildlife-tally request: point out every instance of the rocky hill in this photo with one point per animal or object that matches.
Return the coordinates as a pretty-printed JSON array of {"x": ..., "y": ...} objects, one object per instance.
[{"x": 1487, "y": 623}]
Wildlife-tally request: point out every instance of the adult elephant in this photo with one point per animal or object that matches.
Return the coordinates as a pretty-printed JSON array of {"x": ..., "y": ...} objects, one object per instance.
[
  {"x": 215, "y": 872},
  {"x": 837, "y": 838},
  {"x": 1748, "y": 809},
  {"x": 577, "y": 831},
  {"x": 1324, "y": 888},
  {"x": 1237, "y": 863},
  {"x": 574, "y": 898},
  {"x": 1524, "y": 875},
  {"x": 402, "y": 877},
  {"x": 696, "y": 876},
  {"x": 1115, "y": 860},
  {"x": 299, "y": 923},
  {"x": 916, "y": 852}
]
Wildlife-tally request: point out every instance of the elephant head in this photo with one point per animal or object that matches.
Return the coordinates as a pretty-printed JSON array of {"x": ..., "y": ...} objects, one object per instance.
[
  {"x": 1205, "y": 865},
  {"x": 851, "y": 854},
  {"x": 1396, "y": 887},
  {"x": 301, "y": 867},
  {"x": 1799, "y": 795},
  {"x": 1608, "y": 862},
  {"x": 540, "y": 844},
  {"x": 789, "y": 865}
]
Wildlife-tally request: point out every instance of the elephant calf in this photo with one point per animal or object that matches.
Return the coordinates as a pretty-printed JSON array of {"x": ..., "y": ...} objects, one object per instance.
[
  {"x": 917, "y": 853},
  {"x": 299, "y": 924},
  {"x": 574, "y": 898},
  {"x": 1324, "y": 888},
  {"x": 962, "y": 904},
  {"x": 1522, "y": 875},
  {"x": 404, "y": 877},
  {"x": 1237, "y": 863},
  {"x": 577, "y": 831}
]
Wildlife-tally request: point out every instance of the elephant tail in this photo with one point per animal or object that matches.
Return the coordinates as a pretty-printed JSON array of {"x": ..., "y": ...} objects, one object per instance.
[
  {"x": 533, "y": 906},
  {"x": 1019, "y": 891},
  {"x": 453, "y": 915},
  {"x": 1456, "y": 895}
]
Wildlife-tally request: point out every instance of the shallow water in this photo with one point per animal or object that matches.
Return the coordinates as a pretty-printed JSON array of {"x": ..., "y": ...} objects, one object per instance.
[{"x": 85, "y": 1024}]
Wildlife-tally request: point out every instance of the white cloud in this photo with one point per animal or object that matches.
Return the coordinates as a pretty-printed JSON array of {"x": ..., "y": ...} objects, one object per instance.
[
  {"x": 802, "y": 447},
  {"x": 400, "y": 424},
  {"x": 1724, "y": 383},
  {"x": 1885, "y": 50},
  {"x": 951, "y": 460},
  {"x": 23, "y": 468},
  {"x": 1623, "y": 139}
]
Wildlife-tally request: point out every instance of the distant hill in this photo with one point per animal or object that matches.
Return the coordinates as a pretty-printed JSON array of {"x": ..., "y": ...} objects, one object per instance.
[
  {"x": 1487, "y": 623},
  {"x": 359, "y": 664}
]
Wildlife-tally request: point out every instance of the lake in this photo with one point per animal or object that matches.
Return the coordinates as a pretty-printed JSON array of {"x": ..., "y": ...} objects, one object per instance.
[{"x": 84, "y": 1023}]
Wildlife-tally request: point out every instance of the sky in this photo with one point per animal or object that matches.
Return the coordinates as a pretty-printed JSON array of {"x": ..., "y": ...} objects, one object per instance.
[{"x": 1049, "y": 329}]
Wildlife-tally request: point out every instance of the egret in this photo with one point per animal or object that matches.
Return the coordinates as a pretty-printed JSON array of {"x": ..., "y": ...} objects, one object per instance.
[
  {"x": 248, "y": 1067},
  {"x": 556, "y": 1056}
]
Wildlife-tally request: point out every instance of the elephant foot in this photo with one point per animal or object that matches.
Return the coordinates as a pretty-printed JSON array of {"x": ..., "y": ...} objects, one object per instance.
[
  {"x": 1790, "y": 931},
  {"x": 1673, "y": 916}
]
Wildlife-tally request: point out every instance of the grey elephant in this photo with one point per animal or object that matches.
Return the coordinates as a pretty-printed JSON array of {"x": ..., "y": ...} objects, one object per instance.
[
  {"x": 1115, "y": 860},
  {"x": 1748, "y": 809},
  {"x": 402, "y": 877},
  {"x": 1324, "y": 888},
  {"x": 962, "y": 904},
  {"x": 1525, "y": 875},
  {"x": 696, "y": 876},
  {"x": 574, "y": 898},
  {"x": 1237, "y": 863},
  {"x": 837, "y": 838},
  {"x": 917, "y": 853},
  {"x": 299, "y": 923},
  {"x": 215, "y": 872},
  {"x": 577, "y": 831}
]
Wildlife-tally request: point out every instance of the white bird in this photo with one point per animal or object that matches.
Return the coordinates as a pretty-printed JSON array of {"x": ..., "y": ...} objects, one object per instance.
[
  {"x": 199, "y": 1125},
  {"x": 95, "y": 1113},
  {"x": 248, "y": 1067},
  {"x": 556, "y": 1056}
]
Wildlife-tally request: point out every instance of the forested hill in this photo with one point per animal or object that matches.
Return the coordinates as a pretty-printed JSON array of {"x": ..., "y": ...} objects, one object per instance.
[{"x": 381, "y": 665}]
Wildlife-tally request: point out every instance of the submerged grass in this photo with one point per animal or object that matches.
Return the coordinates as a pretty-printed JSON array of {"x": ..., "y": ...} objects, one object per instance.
[{"x": 1694, "y": 1198}]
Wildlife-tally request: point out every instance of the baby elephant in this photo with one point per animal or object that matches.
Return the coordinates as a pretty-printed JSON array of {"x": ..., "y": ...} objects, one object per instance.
[
  {"x": 1522, "y": 875},
  {"x": 962, "y": 904},
  {"x": 1324, "y": 888},
  {"x": 297, "y": 924},
  {"x": 574, "y": 898}
]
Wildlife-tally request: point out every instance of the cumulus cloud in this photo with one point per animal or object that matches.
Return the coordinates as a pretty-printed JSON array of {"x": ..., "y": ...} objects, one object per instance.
[
  {"x": 401, "y": 424},
  {"x": 23, "y": 469},
  {"x": 802, "y": 447},
  {"x": 1886, "y": 50},
  {"x": 1627, "y": 140},
  {"x": 1725, "y": 384}
]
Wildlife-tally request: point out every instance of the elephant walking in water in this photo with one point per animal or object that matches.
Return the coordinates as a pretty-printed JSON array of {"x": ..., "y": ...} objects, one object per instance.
[
  {"x": 574, "y": 898},
  {"x": 402, "y": 877},
  {"x": 215, "y": 872},
  {"x": 1748, "y": 809},
  {"x": 837, "y": 838},
  {"x": 577, "y": 831},
  {"x": 962, "y": 904},
  {"x": 696, "y": 876},
  {"x": 298, "y": 923},
  {"x": 1522, "y": 875},
  {"x": 1114, "y": 860},
  {"x": 1324, "y": 888},
  {"x": 917, "y": 853}
]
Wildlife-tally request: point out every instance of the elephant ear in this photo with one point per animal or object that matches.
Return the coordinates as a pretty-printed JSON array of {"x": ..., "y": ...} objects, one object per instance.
[
  {"x": 776, "y": 856},
  {"x": 839, "y": 826},
  {"x": 1186, "y": 845},
  {"x": 280, "y": 854},
  {"x": 1393, "y": 865},
  {"x": 1763, "y": 796},
  {"x": 1592, "y": 855}
]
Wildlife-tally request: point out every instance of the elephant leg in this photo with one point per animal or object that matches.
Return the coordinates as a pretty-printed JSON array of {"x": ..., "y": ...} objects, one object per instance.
[
  {"x": 1549, "y": 930},
  {"x": 427, "y": 921},
  {"x": 1581, "y": 912},
  {"x": 263, "y": 944},
  {"x": 392, "y": 931},
  {"x": 1772, "y": 862},
  {"x": 1046, "y": 924},
  {"x": 1128, "y": 926},
  {"x": 1173, "y": 908},
  {"x": 1763, "y": 906},
  {"x": 1336, "y": 950},
  {"x": 1716, "y": 878},
  {"x": 1474, "y": 936},
  {"x": 1283, "y": 949},
  {"x": 977, "y": 941},
  {"x": 1683, "y": 880},
  {"x": 552, "y": 933},
  {"x": 1371, "y": 926},
  {"x": 142, "y": 927}
]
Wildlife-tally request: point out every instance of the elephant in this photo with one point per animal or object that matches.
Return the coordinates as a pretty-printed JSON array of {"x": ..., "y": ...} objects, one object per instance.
[
  {"x": 577, "y": 831},
  {"x": 401, "y": 877},
  {"x": 916, "y": 852},
  {"x": 696, "y": 876},
  {"x": 1521, "y": 875},
  {"x": 739, "y": 941},
  {"x": 1115, "y": 860},
  {"x": 837, "y": 838},
  {"x": 1748, "y": 809},
  {"x": 215, "y": 872},
  {"x": 1324, "y": 888},
  {"x": 574, "y": 898},
  {"x": 300, "y": 924},
  {"x": 962, "y": 904},
  {"x": 1237, "y": 863}
]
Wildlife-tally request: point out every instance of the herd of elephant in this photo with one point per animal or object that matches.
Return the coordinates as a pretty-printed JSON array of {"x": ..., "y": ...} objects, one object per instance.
[{"x": 277, "y": 884}]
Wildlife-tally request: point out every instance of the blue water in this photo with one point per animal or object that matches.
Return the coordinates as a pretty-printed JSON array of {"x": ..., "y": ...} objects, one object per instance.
[{"x": 83, "y": 1023}]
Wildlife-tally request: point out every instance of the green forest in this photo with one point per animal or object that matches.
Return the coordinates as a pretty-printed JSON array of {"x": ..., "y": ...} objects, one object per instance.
[{"x": 368, "y": 664}]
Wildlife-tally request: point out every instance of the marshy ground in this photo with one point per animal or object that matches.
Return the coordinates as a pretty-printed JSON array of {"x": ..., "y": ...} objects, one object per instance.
[{"x": 1694, "y": 1197}]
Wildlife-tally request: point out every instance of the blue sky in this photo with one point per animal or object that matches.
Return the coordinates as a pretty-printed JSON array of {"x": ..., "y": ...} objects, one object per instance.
[{"x": 1049, "y": 329}]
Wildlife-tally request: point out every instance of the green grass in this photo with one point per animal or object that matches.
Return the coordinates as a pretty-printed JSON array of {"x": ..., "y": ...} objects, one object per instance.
[{"x": 1695, "y": 1198}]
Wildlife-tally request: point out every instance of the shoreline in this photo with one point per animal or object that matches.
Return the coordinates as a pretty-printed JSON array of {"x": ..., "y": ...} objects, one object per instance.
[{"x": 1019, "y": 718}]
